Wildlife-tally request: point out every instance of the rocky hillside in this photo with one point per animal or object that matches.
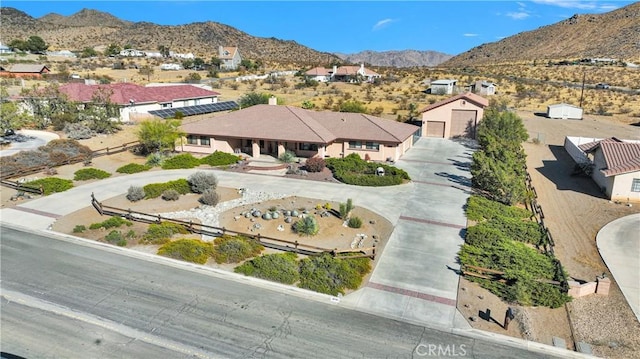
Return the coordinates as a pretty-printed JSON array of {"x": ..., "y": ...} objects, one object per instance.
[
  {"x": 91, "y": 28},
  {"x": 615, "y": 34},
  {"x": 405, "y": 58}
]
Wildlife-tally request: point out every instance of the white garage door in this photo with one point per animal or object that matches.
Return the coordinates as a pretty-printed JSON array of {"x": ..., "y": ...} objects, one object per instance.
[
  {"x": 435, "y": 129},
  {"x": 463, "y": 123}
]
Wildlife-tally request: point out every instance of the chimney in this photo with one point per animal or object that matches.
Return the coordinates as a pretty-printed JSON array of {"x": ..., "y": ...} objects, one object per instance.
[
  {"x": 273, "y": 101},
  {"x": 220, "y": 50}
]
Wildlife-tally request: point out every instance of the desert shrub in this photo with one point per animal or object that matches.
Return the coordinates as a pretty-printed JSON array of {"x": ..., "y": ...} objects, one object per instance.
[
  {"x": 279, "y": 267},
  {"x": 159, "y": 233},
  {"x": 355, "y": 222},
  {"x": 133, "y": 168},
  {"x": 154, "y": 190},
  {"x": 354, "y": 170},
  {"x": 170, "y": 195},
  {"x": 78, "y": 131},
  {"x": 307, "y": 226},
  {"x": 315, "y": 164},
  {"x": 189, "y": 250},
  {"x": 233, "y": 249},
  {"x": 85, "y": 174},
  {"x": 156, "y": 159},
  {"x": 329, "y": 275},
  {"x": 346, "y": 208},
  {"x": 113, "y": 222},
  {"x": 183, "y": 160},
  {"x": 219, "y": 158},
  {"x": 287, "y": 157},
  {"x": 202, "y": 181},
  {"x": 135, "y": 193},
  {"x": 50, "y": 185},
  {"x": 115, "y": 237},
  {"x": 79, "y": 228},
  {"x": 209, "y": 198}
]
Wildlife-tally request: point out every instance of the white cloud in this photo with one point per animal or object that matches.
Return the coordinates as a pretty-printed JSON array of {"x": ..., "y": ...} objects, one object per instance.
[
  {"x": 382, "y": 24},
  {"x": 578, "y": 4},
  {"x": 469, "y": 35},
  {"x": 521, "y": 4},
  {"x": 518, "y": 15}
]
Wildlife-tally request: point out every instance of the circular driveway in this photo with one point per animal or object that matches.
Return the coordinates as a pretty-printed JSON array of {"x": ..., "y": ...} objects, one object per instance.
[
  {"x": 41, "y": 138},
  {"x": 619, "y": 246}
]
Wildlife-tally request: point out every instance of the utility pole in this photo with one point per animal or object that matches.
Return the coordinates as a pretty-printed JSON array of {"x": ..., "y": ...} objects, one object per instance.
[{"x": 584, "y": 75}]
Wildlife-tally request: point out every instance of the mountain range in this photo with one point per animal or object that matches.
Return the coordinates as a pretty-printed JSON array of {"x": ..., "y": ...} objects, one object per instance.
[{"x": 614, "y": 34}]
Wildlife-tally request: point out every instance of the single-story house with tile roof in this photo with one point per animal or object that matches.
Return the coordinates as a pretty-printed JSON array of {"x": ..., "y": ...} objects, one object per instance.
[
  {"x": 230, "y": 57},
  {"x": 137, "y": 101},
  {"x": 26, "y": 71},
  {"x": 319, "y": 74},
  {"x": 273, "y": 129},
  {"x": 616, "y": 167},
  {"x": 456, "y": 116},
  {"x": 342, "y": 73}
]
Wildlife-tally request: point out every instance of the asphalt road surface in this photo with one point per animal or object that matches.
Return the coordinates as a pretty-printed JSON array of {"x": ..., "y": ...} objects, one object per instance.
[{"x": 64, "y": 300}]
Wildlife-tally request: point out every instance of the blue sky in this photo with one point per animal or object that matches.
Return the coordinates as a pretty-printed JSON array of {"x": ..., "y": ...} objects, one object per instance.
[{"x": 451, "y": 27}]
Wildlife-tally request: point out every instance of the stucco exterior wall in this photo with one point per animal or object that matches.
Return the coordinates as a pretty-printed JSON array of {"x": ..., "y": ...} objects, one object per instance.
[
  {"x": 443, "y": 114},
  {"x": 621, "y": 188}
]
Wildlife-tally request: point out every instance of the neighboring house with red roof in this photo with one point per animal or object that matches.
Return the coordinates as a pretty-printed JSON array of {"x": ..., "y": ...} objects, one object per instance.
[
  {"x": 230, "y": 57},
  {"x": 26, "y": 71},
  {"x": 616, "y": 167},
  {"x": 272, "y": 129},
  {"x": 136, "y": 102},
  {"x": 456, "y": 116},
  {"x": 342, "y": 73}
]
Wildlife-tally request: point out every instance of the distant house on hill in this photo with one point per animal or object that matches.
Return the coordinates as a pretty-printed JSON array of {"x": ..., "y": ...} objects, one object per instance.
[
  {"x": 170, "y": 67},
  {"x": 342, "y": 74},
  {"x": 482, "y": 87},
  {"x": 230, "y": 57},
  {"x": 132, "y": 53},
  {"x": 4, "y": 49},
  {"x": 26, "y": 71}
]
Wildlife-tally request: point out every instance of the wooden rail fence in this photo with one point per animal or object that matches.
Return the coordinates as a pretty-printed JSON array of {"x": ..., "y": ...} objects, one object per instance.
[{"x": 213, "y": 231}]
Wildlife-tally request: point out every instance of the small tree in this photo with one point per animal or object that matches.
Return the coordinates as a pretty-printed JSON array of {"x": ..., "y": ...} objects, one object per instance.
[{"x": 159, "y": 135}]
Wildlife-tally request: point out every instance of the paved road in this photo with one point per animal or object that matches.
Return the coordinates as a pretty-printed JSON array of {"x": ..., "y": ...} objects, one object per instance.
[{"x": 61, "y": 299}]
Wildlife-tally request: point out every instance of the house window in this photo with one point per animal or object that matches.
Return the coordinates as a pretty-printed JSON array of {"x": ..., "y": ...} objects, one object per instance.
[
  {"x": 167, "y": 105},
  {"x": 635, "y": 185},
  {"x": 205, "y": 141},
  {"x": 373, "y": 146},
  {"x": 355, "y": 144},
  {"x": 196, "y": 101},
  {"x": 308, "y": 147},
  {"x": 192, "y": 140}
]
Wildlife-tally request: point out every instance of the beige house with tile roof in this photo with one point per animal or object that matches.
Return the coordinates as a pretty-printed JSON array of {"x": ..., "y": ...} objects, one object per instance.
[
  {"x": 616, "y": 167},
  {"x": 230, "y": 57},
  {"x": 456, "y": 116},
  {"x": 342, "y": 74},
  {"x": 272, "y": 129}
]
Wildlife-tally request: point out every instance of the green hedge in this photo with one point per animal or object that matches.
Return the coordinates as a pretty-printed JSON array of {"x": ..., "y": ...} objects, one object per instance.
[
  {"x": 90, "y": 173},
  {"x": 154, "y": 190},
  {"x": 480, "y": 208},
  {"x": 219, "y": 158},
  {"x": 280, "y": 267},
  {"x": 133, "y": 168},
  {"x": 160, "y": 233},
  {"x": 184, "y": 160},
  {"x": 50, "y": 185},
  {"x": 329, "y": 275},
  {"x": 233, "y": 249},
  {"x": 113, "y": 222},
  {"x": 356, "y": 171},
  {"x": 190, "y": 250}
]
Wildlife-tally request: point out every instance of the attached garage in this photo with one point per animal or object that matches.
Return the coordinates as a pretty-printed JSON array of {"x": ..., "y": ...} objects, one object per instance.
[
  {"x": 457, "y": 116},
  {"x": 463, "y": 123},
  {"x": 435, "y": 129}
]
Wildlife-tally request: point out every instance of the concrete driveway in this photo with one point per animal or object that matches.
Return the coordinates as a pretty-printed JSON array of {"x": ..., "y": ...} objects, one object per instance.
[{"x": 415, "y": 279}]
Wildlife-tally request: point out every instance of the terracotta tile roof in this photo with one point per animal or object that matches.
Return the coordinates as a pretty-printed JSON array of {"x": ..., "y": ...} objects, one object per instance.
[
  {"x": 347, "y": 70},
  {"x": 318, "y": 71},
  {"x": 469, "y": 96},
  {"x": 619, "y": 157},
  {"x": 122, "y": 93},
  {"x": 231, "y": 50},
  {"x": 28, "y": 68},
  {"x": 288, "y": 123}
]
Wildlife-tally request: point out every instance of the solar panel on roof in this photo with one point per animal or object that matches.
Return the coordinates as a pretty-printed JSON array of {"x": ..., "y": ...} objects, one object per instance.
[{"x": 195, "y": 110}]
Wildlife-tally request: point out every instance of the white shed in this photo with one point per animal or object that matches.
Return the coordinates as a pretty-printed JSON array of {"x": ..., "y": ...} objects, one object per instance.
[{"x": 564, "y": 111}]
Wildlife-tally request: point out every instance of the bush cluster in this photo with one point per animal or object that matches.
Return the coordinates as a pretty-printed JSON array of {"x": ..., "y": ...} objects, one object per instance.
[
  {"x": 170, "y": 195},
  {"x": 113, "y": 222},
  {"x": 115, "y": 237},
  {"x": 315, "y": 164},
  {"x": 219, "y": 158},
  {"x": 85, "y": 174},
  {"x": 279, "y": 267},
  {"x": 329, "y": 275},
  {"x": 159, "y": 233},
  {"x": 233, "y": 249},
  {"x": 209, "y": 198},
  {"x": 154, "y": 190},
  {"x": 189, "y": 250},
  {"x": 52, "y": 154},
  {"x": 133, "y": 168},
  {"x": 480, "y": 208},
  {"x": 307, "y": 226},
  {"x": 354, "y": 170},
  {"x": 135, "y": 193},
  {"x": 50, "y": 185},
  {"x": 183, "y": 160},
  {"x": 202, "y": 181},
  {"x": 355, "y": 222}
]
